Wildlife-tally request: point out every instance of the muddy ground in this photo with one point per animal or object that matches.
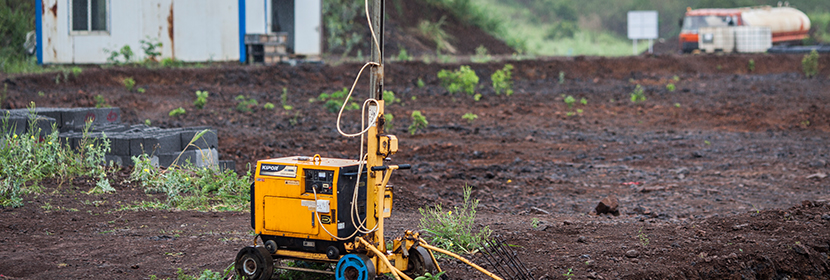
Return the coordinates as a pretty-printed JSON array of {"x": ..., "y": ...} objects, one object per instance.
[{"x": 724, "y": 177}]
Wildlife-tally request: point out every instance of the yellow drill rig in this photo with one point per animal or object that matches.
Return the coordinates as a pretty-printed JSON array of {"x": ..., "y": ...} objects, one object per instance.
[{"x": 331, "y": 210}]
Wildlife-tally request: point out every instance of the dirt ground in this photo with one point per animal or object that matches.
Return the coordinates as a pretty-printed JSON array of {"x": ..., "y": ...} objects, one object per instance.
[{"x": 724, "y": 177}]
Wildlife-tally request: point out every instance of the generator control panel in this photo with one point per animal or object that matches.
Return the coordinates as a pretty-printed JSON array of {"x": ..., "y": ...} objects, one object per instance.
[{"x": 320, "y": 181}]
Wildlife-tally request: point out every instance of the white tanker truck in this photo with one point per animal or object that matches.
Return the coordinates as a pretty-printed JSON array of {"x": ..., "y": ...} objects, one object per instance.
[{"x": 757, "y": 28}]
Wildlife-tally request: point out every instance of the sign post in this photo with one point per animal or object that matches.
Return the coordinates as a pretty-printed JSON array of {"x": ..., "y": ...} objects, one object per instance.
[{"x": 642, "y": 25}]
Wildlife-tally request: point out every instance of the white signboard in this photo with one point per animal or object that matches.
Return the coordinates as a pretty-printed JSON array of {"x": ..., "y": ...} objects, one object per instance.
[{"x": 642, "y": 25}]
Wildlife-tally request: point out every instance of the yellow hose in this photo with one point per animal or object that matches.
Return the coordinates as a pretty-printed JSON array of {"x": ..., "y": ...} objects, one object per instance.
[
  {"x": 397, "y": 273},
  {"x": 424, "y": 244}
]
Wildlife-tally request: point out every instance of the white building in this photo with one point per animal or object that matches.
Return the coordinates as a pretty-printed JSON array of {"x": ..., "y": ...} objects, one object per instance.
[{"x": 79, "y": 31}]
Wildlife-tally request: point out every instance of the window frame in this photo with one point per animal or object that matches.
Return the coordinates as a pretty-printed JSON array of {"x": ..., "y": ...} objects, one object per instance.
[{"x": 89, "y": 31}]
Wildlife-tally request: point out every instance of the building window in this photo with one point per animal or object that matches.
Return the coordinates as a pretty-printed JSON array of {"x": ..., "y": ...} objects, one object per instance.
[{"x": 89, "y": 15}]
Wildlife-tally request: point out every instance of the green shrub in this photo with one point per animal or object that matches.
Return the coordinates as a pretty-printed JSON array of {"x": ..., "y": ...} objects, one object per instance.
[
  {"x": 201, "y": 99},
  {"x": 245, "y": 105},
  {"x": 335, "y": 100},
  {"x": 638, "y": 95},
  {"x": 470, "y": 117},
  {"x": 503, "y": 80},
  {"x": 454, "y": 230},
  {"x": 418, "y": 122},
  {"x": 129, "y": 83},
  {"x": 464, "y": 79},
  {"x": 810, "y": 64},
  {"x": 177, "y": 112}
]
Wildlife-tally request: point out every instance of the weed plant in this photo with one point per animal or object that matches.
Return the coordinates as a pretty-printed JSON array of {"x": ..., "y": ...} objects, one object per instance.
[
  {"x": 810, "y": 64},
  {"x": 31, "y": 157},
  {"x": 561, "y": 77},
  {"x": 570, "y": 100},
  {"x": 454, "y": 230},
  {"x": 430, "y": 276},
  {"x": 751, "y": 65},
  {"x": 389, "y": 97},
  {"x": 177, "y": 112},
  {"x": 245, "y": 105},
  {"x": 334, "y": 101},
  {"x": 201, "y": 99},
  {"x": 192, "y": 188},
  {"x": 503, "y": 80},
  {"x": 129, "y": 83},
  {"x": 638, "y": 96},
  {"x": 435, "y": 32},
  {"x": 469, "y": 117},
  {"x": 284, "y": 100},
  {"x": 388, "y": 121},
  {"x": 403, "y": 55},
  {"x": 418, "y": 122},
  {"x": 670, "y": 87},
  {"x": 481, "y": 55},
  {"x": 100, "y": 102},
  {"x": 151, "y": 47},
  {"x": 268, "y": 106},
  {"x": 464, "y": 79},
  {"x": 124, "y": 55},
  {"x": 420, "y": 83}
]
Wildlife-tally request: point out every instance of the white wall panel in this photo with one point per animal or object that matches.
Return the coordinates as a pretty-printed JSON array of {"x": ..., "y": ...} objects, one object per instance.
[
  {"x": 256, "y": 21},
  {"x": 307, "y": 38},
  {"x": 57, "y": 45}
]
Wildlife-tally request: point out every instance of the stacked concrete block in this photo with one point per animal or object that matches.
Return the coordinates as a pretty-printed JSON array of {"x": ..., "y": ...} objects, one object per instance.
[
  {"x": 163, "y": 146},
  {"x": 13, "y": 123}
]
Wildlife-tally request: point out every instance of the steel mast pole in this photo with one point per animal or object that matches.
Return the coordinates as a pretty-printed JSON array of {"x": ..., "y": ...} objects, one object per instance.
[{"x": 375, "y": 189}]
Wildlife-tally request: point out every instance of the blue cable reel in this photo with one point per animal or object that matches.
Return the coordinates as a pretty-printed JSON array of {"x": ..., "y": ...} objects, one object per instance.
[{"x": 355, "y": 267}]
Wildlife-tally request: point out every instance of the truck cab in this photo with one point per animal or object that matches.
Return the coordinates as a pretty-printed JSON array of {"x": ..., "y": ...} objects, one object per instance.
[{"x": 695, "y": 19}]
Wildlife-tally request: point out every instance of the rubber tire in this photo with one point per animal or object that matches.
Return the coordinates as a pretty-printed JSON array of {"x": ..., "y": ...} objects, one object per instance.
[
  {"x": 271, "y": 246},
  {"x": 359, "y": 262},
  {"x": 420, "y": 262},
  {"x": 254, "y": 263}
]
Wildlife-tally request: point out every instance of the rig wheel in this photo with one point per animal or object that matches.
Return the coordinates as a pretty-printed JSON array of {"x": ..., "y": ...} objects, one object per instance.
[
  {"x": 254, "y": 263},
  {"x": 355, "y": 267},
  {"x": 420, "y": 263}
]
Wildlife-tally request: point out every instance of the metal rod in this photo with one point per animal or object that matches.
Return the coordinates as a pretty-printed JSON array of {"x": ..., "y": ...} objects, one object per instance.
[{"x": 304, "y": 269}]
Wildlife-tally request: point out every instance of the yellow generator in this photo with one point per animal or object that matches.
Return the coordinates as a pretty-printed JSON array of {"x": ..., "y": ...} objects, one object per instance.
[
  {"x": 306, "y": 203},
  {"x": 332, "y": 210}
]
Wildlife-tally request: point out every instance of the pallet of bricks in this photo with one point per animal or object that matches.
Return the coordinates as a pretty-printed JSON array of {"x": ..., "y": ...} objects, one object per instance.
[
  {"x": 267, "y": 48},
  {"x": 163, "y": 145}
]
